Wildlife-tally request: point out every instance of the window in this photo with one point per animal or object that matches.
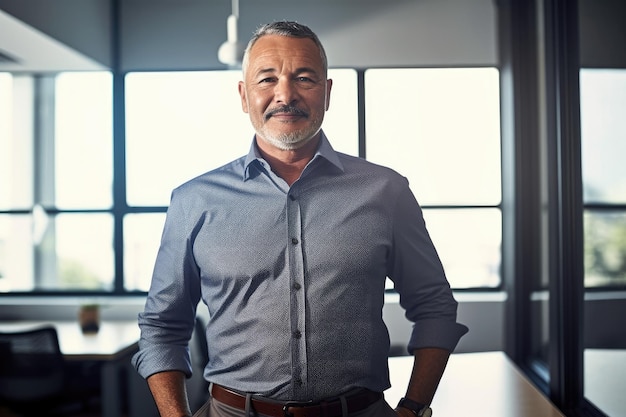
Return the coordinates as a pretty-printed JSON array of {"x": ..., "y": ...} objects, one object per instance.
[
  {"x": 182, "y": 124},
  {"x": 60, "y": 226},
  {"x": 441, "y": 129},
  {"x": 16, "y": 142},
  {"x": 603, "y": 130},
  {"x": 56, "y": 225},
  {"x": 603, "y": 106}
]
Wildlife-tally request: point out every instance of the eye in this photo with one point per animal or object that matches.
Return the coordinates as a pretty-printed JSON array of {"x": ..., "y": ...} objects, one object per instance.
[{"x": 304, "y": 79}]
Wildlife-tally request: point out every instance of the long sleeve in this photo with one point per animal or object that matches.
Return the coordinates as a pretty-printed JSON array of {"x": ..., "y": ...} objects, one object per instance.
[
  {"x": 167, "y": 320},
  {"x": 420, "y": 280}
]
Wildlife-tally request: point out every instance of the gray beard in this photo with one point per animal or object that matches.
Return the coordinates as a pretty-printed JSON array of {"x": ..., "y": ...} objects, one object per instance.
[{"x": 288, "y": 142}]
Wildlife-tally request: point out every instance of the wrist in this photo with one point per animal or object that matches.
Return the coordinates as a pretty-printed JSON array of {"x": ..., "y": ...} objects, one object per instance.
[{"x": 414, "y": 408}]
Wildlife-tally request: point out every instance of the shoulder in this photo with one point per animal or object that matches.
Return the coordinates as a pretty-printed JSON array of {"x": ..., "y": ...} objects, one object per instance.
[{"x": 370, "y": 171}]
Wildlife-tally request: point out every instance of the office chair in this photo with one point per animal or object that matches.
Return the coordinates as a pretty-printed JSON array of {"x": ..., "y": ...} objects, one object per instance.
[{"x": 32, "y": 370}]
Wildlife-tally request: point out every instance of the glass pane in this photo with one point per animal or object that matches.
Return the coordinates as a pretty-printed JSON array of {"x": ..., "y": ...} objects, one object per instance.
[
  {"x": 76, "y": 252},
  {"x": 16, "y": 141},
  {"x": 438, "y": 127},
  {"x": 603, "y": 134},
  {"x": 6, "y": 111},
  {"x": 66, "y": 252},
  {"x": 605, "y": 248},
  {"x": 83, "y": 140},
  {"x": 603, "y": 129},
  {"x": 604, "y": 335},
  {"x": 341, "y": 122},
  {"x": 16, "y": 253},
  {"x": 142, "y": 236},
  {"x": 182, "y": 124},
  {"x": 468, "y": 242},
  {"x": 179, "y": 125}
]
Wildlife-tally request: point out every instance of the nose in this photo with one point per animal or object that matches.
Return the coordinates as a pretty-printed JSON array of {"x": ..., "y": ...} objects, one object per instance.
[{"x": 285, "y": 91}]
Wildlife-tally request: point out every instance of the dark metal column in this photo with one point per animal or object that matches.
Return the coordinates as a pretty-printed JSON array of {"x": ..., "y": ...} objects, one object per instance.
[{"x": 565, "y": 210}]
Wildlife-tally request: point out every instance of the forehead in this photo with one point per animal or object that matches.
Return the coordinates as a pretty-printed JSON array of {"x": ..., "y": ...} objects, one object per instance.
[{"x": 272, "y": 50}]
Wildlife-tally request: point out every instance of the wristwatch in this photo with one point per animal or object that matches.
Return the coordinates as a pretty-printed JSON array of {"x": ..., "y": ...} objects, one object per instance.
[{"x": 420, "y": 410}]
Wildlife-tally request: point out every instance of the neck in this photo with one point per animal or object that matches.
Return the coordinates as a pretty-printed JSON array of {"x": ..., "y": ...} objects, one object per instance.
[{"x": 288, "y": 164}]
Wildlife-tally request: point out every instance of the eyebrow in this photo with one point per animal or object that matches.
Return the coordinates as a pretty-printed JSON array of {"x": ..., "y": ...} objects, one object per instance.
[
  {"x": 265, "y": 71},
  {"x": 300, "y": 70}
]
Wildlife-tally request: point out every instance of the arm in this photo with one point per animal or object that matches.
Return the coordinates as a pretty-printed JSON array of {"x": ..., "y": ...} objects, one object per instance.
[
  {"x": 170, "y": 394},
  {"x": 428, "y": 368},
  {"x": 167, "y": 320},
  {"x": 426, "y": 296}
]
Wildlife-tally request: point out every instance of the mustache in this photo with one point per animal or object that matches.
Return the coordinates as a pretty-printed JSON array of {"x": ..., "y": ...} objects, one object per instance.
[{"x": 287, "y": 109}]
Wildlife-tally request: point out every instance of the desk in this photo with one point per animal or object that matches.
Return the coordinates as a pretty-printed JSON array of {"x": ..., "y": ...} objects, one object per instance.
[
  {"x": 112, "y": 345},
  {"x": 485, "y": 384}
]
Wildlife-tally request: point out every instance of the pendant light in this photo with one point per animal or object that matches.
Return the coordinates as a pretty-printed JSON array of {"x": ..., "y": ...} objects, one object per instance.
[{"x": 231, "y": 51}]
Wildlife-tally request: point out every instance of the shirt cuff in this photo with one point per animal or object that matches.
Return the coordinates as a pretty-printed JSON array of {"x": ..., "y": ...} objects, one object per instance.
[
  {"x": 436, "y": 333},
  {"x": 154, "y": 359}
]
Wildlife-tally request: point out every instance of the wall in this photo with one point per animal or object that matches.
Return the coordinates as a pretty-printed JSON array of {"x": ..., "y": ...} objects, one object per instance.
[
  {"x": 602, "y": 33},
  {"x": 162, "y": 34},
  {"x": 165, "y": 34},
  {"x": 185, "y": 35},
  {"x": 482, "y": 313},
  {"x": 84, "y": 25}
]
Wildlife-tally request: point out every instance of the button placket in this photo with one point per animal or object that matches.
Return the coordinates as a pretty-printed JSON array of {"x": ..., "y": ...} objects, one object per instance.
[{"x": 297, "y": 296}]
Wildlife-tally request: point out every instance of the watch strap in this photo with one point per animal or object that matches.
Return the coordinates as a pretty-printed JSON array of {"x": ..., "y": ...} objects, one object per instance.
[{"x": 420, "y": 410}]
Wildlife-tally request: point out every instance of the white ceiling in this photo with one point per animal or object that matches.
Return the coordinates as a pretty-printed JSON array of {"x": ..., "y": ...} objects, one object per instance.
[{"x": 31, "y": 50}]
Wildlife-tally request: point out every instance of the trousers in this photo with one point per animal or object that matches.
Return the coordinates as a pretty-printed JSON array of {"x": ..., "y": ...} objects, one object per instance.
[{"x": 214, "y": 408}]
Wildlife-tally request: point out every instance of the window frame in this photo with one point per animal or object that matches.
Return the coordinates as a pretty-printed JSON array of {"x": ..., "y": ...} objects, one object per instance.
[{"x": 120, "y": 208}]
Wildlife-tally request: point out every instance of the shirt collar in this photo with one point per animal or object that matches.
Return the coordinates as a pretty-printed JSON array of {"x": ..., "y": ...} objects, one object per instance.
[{"x": 324, "y": 150}]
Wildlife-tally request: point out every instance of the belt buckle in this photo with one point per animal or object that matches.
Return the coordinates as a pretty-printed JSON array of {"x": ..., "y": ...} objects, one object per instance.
[
  {"x": 295, "y": 404},
  {"x": 287, "y": 406}
]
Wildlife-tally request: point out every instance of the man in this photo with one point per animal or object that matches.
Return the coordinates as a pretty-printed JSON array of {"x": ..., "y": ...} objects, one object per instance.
[{"x": 289, "y": 247}]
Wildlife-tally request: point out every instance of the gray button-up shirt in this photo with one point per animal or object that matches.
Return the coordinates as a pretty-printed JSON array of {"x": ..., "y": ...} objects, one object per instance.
[{"x": 294, "y": 277}]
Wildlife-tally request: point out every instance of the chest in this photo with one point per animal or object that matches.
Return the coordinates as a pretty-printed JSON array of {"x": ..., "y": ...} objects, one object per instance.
[{"x": 257, "y": 235}]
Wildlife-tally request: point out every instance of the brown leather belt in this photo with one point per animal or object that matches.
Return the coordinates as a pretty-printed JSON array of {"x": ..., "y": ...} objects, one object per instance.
[{"x": 331, "y": 408}]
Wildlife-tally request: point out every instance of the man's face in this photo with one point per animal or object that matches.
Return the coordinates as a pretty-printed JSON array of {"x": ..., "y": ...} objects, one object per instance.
[{"x": 285, "y": 90}]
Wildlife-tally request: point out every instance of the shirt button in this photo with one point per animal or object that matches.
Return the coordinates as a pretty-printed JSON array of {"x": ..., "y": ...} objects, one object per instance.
[
  {"x": 297, "y": 334},
  {"x": 294, "y": 240},
  {"x": 299, "y": 382},
  {"x": 297, "y": 286},
  {"x": 292, "y": 197}
]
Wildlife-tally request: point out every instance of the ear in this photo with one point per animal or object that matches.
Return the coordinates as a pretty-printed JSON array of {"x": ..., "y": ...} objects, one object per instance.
[
  {"x": 329, "y": 85},
  {"x": 242, "y": 93}
]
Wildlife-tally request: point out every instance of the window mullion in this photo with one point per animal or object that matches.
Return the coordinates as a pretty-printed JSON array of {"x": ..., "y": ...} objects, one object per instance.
[{"x": 44, "y": 254}]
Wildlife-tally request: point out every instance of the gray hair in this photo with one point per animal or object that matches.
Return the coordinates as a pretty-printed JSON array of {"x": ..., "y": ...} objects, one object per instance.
[{"x": 284, "y": 28}]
